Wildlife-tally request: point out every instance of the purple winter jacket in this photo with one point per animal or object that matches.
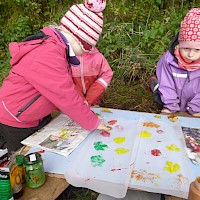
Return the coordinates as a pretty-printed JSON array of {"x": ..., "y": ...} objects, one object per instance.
[{"x": 180, "y": 89}]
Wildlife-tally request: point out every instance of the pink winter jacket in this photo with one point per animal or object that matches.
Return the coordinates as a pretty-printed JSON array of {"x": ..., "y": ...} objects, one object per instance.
[
  {"x": 92, "y": 76},
  {"x": 41, "y": 68}
]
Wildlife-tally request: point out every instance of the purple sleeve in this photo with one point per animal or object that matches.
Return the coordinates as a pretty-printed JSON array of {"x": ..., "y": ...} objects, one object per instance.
[{"x": 167, "y": 87}]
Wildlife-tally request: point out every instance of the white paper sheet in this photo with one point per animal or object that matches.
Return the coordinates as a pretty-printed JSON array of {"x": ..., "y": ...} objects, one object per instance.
[
  {"x": 162, "y": 164},
  {"x": 105, "y": 162}
]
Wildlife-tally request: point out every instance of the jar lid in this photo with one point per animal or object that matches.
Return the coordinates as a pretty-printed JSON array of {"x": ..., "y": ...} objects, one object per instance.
[
  {"x": 20, "y": 159},
  {"x": 32, "y": 158}
]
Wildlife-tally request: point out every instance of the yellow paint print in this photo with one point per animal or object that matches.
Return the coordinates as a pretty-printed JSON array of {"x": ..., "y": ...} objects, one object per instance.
[
  {"x": 173, "y": 147},
  {"x": 119, "y": 140},
  {"x": 145, "y": 134},
  {"x": 172, "y": 167},
  {"x": 121, "y": 151},
  {"x": 64, "y": 133}
]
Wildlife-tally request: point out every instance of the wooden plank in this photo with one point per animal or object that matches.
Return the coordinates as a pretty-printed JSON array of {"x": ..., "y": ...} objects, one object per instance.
[
  {"x": 172, "y": 198},
  {"x": 52, "y": 188}
]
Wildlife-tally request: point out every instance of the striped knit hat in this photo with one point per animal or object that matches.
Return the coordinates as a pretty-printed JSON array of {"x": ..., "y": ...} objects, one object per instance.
[
  {"x": 189, "y": 34},
  {"x": 85, "y": 22}
]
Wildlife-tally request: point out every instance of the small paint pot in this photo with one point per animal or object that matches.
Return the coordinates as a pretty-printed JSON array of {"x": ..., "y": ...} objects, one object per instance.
[{"x": 34, "y": 170}]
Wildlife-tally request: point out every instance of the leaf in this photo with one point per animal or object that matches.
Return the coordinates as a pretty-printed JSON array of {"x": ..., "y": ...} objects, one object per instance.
[
  {"x": 106, "y": 110},
  {"x": 173, "y": 118}
]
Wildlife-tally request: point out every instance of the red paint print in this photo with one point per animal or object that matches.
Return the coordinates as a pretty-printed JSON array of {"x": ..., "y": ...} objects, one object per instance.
[
  {"x": 155, "y": 152},
  {"x": 41, "y": 151},
  {"x": 105, "y": 134},
  {"x": 112, "y": 122}
]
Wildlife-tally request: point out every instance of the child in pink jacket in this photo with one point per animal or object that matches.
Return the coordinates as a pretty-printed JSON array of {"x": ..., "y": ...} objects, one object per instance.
[
  {"x": 40, "y": 80},
  {"x": 92, "y": 76}
]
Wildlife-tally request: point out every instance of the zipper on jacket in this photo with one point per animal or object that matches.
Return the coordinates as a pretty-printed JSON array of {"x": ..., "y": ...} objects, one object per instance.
[
  {"x": 20, "y": 111},
  {"x": 188, "y": 75},
  {"x": 82, "y": 76}
]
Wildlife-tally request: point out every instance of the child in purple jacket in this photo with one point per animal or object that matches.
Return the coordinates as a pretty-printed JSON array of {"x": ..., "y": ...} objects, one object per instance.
[{"x": 177, "y": 86}]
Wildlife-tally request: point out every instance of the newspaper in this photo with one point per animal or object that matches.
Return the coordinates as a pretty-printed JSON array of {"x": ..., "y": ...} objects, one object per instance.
[{"x": 62, "y": 135}]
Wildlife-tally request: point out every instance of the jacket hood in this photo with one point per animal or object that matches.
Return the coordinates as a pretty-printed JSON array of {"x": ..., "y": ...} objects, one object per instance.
[
  {"x": 19, "y": 49},
  {"x": 172, "y": 46}
]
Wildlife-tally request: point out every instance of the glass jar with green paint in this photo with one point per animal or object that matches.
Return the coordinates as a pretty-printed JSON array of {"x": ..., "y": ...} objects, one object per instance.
[{"x": 34, "y": 170}]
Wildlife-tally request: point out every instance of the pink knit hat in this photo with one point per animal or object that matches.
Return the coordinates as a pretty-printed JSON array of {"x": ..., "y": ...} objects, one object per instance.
[
  {"x": 189, "y": 35},
  {"x": 85, "y": 22}
]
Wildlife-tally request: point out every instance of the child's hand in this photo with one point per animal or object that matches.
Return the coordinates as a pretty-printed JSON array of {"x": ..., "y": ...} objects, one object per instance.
[
  {"x": 196, "y": 114},
  {"x": 165, "y": 110},
  {"x": 101, "y": 125}
]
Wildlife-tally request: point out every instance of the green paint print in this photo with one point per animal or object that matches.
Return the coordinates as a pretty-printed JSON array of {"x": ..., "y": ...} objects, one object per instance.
[
  {"x": 119, "y": 140},
  {"x": 121, "y": 151},
  {"x": 97, "y": 161},
  {"x": 99, "y": 146}
]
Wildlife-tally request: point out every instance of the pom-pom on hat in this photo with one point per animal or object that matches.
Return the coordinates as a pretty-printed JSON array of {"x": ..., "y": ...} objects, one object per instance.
[
  {"x": 85, "y": 22},
  {"x": 189, "y": 34}
]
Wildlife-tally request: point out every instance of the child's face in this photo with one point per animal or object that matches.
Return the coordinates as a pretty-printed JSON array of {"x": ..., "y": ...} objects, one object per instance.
[{"x": 190, "y": 55}]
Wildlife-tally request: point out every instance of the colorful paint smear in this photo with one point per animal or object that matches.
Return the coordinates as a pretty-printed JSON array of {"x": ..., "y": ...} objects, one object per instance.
[
  {"x": 144, "y": 176},
  {"x": 118, "y": 169},
  {"x": 119, "y": 127},
  {"x": 155, "y": 152},
  {"x": 172, "y": 167},
  {"x": 173, "y": 147},
  {"x": 160, "y": 131},
  {"x": 151, "y": 125},
  {"x": 182, "y": 179},
  {"x": 112, "y": 122},
  {"x": 64, "y": 133},
  {"x": 97, "y": 161},
  {"x": 145, "y": 134},
  {"x": 99, "y": 146},
  {"x": 157, "y": 116},
  {"x": 105, "y": 134},
  {"x": 121, "y": 151},
  {"x": 119, "y": 140}
]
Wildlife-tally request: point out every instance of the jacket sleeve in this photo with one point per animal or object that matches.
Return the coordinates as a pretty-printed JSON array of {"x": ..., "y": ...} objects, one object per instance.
[
  {"x": 193, "y": 105},
  {"x": 166, "y": 83},
  {"x": 49, "y": 74},
  {"x": 97, "y": 89}
]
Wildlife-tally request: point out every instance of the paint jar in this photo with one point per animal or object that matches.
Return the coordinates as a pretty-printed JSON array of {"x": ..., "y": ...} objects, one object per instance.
[
  {"x": 34, "y": 170},
  {"x": 194, "y": 192},
  {"x": 20, "y": 161},
  {"x": 15, "y": 177},
  {"x": 5, "y": 185}
]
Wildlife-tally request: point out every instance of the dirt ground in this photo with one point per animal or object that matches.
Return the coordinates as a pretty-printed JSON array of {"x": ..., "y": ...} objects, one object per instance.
[{"x": 134, "y": 97}]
